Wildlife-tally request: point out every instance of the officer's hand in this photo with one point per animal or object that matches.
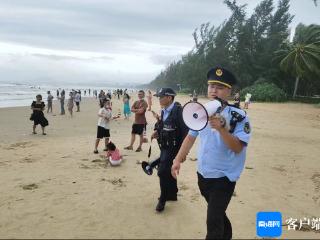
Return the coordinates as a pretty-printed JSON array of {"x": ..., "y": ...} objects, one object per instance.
[
  {"x": 217, "y": 122},
  {"x": 154, "y": 135},
  {"x": 175, "y": 168}
]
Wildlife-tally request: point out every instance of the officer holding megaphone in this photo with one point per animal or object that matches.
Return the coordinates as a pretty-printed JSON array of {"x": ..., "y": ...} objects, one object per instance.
[{"x": 222, "y": 152}]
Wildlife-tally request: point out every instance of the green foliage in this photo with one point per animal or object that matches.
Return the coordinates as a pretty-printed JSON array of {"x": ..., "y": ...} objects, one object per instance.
[
  {"x": 186, "y": 91},
  {"x": 310, "y": 100},
  {"x": 264, "y": 92},
  {"x": 301, "y": 58},
  {"x": 246, "y": 45}
]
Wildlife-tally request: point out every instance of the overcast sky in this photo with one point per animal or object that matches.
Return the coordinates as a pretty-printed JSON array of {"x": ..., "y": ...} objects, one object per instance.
[{"x": 107, "y": 40}]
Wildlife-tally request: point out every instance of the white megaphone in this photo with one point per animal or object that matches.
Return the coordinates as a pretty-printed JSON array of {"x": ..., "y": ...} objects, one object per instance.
[{"x": 196, "y": 116}]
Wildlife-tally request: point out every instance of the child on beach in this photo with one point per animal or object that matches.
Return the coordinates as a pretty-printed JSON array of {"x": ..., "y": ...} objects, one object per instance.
[
  {"x": 113, "y": 154},
  {"x": 126, "y": 106},
  {"x": 103, "y": 131}
]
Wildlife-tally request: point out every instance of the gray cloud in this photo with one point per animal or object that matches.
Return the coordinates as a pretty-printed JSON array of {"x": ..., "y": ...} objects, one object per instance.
[
  {"x": 157, "y": 31},
  {"x": 110, "y": 26},
  {"x": 64, "y": 58},
  {"x": 164, "y": 59},
  {"x": 102, "y": 24}
]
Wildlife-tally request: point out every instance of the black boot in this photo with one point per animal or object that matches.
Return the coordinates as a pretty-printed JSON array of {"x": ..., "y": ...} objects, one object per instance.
[{"x": 160, "y": 206}]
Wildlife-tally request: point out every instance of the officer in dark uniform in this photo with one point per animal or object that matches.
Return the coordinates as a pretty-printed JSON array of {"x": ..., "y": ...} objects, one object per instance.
[{"x": 170, "y": 132}]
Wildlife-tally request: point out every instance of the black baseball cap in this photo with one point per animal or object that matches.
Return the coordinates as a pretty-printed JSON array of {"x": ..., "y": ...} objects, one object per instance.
[{"x": 165, "y": 92}]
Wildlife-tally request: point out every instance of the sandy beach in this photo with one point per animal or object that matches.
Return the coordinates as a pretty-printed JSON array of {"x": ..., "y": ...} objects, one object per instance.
[{"x": 53, "y": 186}]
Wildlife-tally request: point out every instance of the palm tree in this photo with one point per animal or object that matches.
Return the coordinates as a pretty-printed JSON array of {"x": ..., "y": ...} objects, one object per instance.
[{"x": 301, "y": 58}]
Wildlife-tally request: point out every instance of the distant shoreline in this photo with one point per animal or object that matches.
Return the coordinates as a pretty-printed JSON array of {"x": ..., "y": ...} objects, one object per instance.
[{"x": 19, "y": 95}]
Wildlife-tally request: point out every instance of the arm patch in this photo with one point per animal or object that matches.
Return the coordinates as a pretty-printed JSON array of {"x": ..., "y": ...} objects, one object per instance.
[{"x": 247, "y": 128}]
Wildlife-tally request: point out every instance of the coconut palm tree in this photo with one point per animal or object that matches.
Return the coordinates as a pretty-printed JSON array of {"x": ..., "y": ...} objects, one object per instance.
[{"x": 302, "y": 57}]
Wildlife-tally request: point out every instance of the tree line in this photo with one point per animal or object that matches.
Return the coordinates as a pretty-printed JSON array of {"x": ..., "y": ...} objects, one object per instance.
[{"x": 256, "y": 48}]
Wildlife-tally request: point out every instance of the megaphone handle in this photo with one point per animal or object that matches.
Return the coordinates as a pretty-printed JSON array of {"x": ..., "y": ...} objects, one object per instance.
[
  {"x": 222, "y": 120},
  {"x": 149, "y": 153}
]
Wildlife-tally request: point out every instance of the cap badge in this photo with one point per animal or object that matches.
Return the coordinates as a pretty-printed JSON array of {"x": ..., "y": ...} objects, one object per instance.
[{"x": 219, "y": 72}]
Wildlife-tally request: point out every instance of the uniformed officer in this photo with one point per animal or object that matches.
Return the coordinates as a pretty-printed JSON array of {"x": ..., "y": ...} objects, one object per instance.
[
  {"x": 221, "y": 154},
  {"x": 170, "y": 131}
]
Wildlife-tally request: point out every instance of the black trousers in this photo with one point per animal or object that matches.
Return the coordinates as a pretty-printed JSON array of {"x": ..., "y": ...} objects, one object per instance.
[
  {"x": 168, "y": 185},
  {"x": 218, "y": 193}
]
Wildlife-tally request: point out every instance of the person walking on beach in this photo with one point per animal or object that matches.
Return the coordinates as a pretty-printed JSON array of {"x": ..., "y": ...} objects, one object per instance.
[
  {"x": 126, "y": 106},
  {"x": 70, "y": 103},
  {"x": 102, "y": 97},
  {"x": 103, "y": 130},
  {"x": 139, "y": 108},
  {"x": 37, "y": 115},
  {"x": 77, "y": 99},
  {"x": 49, "y": 99},
  {"x": 62, "y": 98},
  {"x": 149, "y": 99},
  {"x": 221, "y": 153},
  {"x": 247, "y": 100},
  {"x": 170, "y": 130}
]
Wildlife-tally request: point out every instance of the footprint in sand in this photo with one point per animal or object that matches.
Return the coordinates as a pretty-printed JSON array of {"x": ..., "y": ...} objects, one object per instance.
[
  {"x": 97, "y": 160},
  {"x": 27, "y": 160},
  {"x": 19, "y": 145},
  {"x": 195, "y": 197},
  {"x": 84, "y": 166},
  {"x": 117, "y": 182},
  {"x": 29, "y": 186},
  {"x": 182, "y": 186},
  {"x": 280, "y": 168},
  {"x": 249, "y": 167},
  {"x": 316, "y": 181},
  {"x": 2, "y": 164},
  {"x": 100, "y": 162}
]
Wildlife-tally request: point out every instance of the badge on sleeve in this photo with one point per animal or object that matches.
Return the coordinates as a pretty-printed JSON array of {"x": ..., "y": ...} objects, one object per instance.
[{"x": 247, "y": 128}]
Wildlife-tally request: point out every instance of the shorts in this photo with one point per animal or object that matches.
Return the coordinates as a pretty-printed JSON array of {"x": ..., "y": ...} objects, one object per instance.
[
  {"x": 77, "y": 103},
  {"x": 115, "y": 162},
  {"x": 138, "y": 128},
  {"x": 102, "y": 132}
]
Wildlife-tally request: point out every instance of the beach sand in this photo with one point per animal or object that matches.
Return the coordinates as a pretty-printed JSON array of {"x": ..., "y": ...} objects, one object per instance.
[{"x": 53, "y": 186}]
